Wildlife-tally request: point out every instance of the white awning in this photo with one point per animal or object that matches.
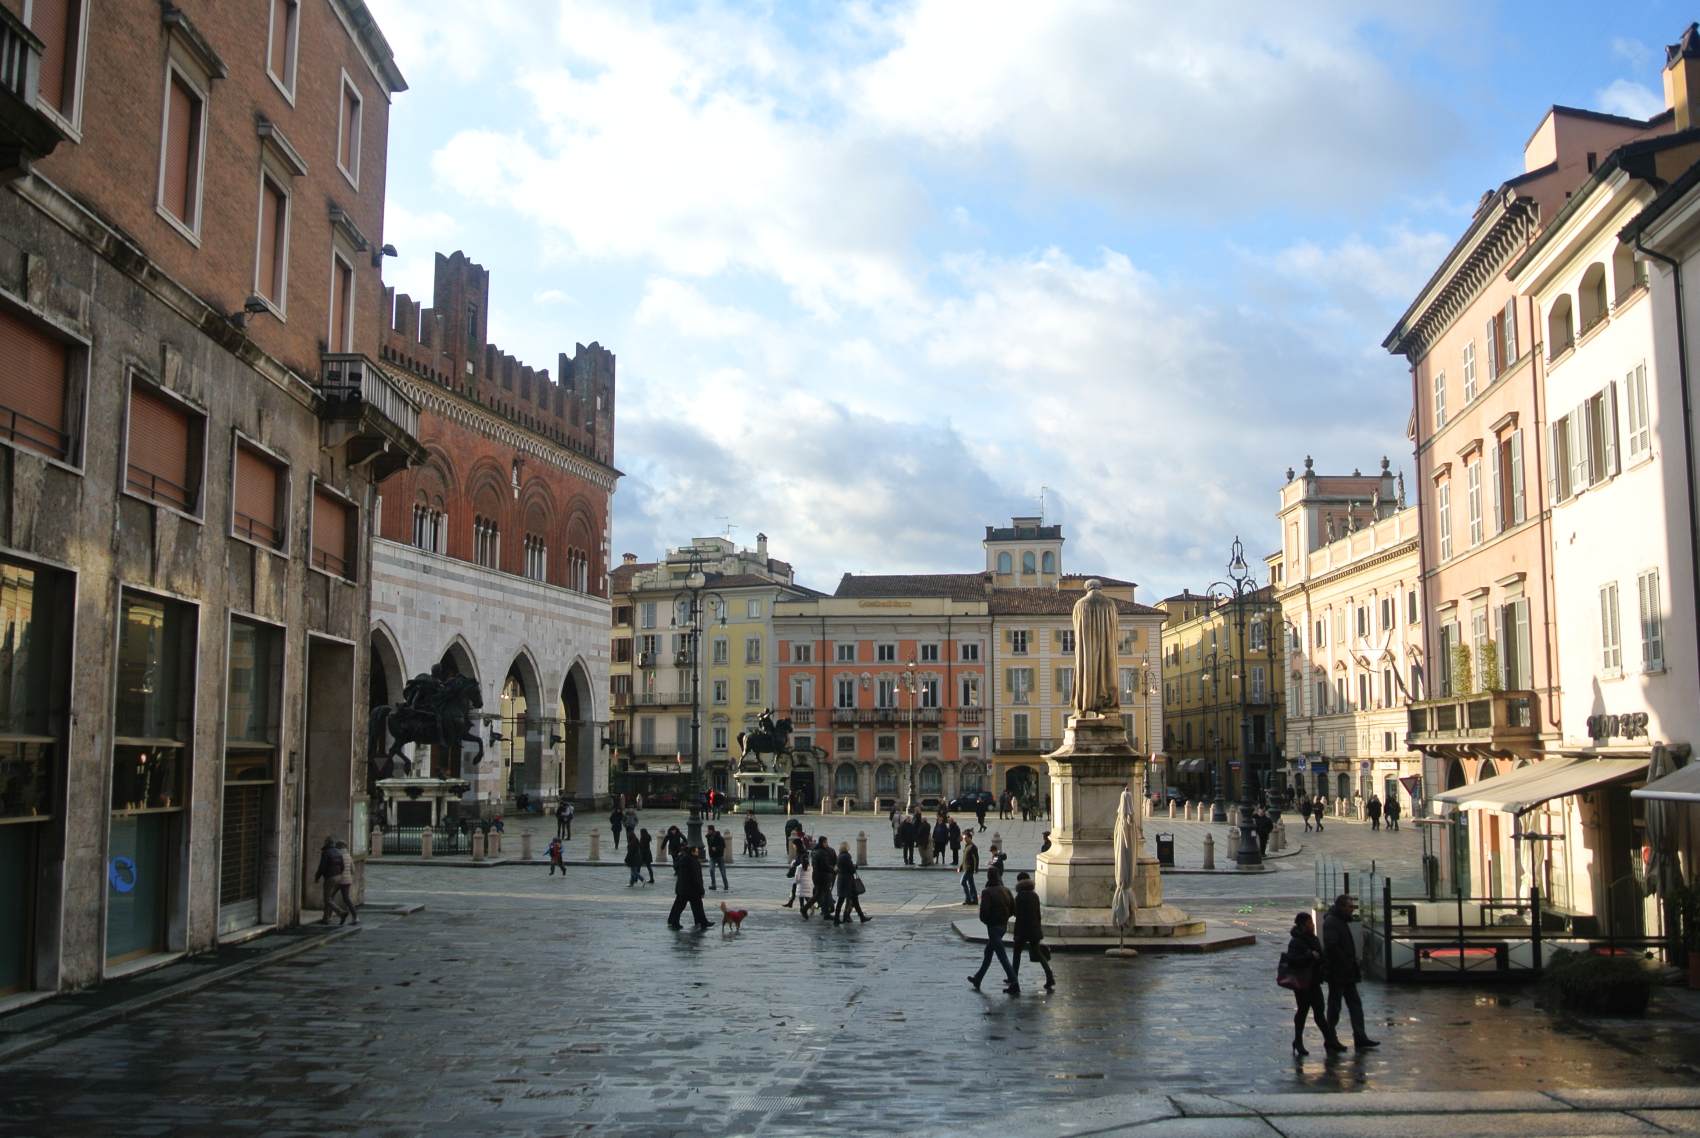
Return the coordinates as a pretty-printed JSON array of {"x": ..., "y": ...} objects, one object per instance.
[
  {"x": 1524, "y": 789},
  {"x": 1681, "y": 786}
]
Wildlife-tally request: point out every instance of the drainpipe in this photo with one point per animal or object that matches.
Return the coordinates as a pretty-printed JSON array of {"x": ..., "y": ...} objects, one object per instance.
[
  {"x": 1687, "y": 419},
  {"x": 1537, "y": 371}
]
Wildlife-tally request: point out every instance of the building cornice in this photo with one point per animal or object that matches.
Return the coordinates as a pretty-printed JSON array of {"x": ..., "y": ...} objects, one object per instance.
[{"x": 433, "y": 398}]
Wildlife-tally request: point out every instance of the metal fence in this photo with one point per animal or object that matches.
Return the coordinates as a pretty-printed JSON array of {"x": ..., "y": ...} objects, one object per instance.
[{"x": 451, "y": 839}]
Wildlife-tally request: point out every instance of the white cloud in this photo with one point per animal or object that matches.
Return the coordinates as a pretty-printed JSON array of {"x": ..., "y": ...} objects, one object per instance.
[
  {"x": 1625, "y": 97},
  {"x": 1189, "y": 105},
  {"x": 418, "y": 236},
  {"x": 553, "y": 296}
]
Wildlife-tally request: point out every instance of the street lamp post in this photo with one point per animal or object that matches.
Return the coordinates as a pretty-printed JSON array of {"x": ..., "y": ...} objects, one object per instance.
[
  {"x": 1237, "y": 586},
  {"x": 909, "y": 685},
  {"x": 695, "y": 582},
  {"x": 1212, "y": 675}
]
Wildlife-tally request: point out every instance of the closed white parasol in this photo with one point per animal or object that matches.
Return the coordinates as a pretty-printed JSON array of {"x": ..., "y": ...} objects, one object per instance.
[{"x": 1127, "y": 863}]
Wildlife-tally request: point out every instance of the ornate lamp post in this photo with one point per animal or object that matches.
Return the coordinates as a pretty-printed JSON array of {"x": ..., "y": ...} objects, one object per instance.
[
  {"x": 910, "y": 685},
  {"x": 1235, "y": 590},
  {"x": 1212, "y": 674},
  {"x": 695, "y": 583}
]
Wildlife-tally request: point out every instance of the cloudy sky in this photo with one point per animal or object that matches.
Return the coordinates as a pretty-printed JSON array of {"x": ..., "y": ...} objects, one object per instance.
[{"x": 879, "y": 274}]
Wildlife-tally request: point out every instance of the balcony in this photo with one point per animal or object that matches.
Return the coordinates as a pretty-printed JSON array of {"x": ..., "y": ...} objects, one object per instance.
[
  {"x": 799, "y": 716},
  {"x": 1502, "y": 722},
  {"x": 1024, "y": 746},
  {"x": 661, "y": 698},
  {"x": 366, "y": 412},
  {"x": 622, "y": 700},
  {"x": 27, "y": 134},
  {"x": 970, "y": 716},
  {"x": 652, "y": 750}
]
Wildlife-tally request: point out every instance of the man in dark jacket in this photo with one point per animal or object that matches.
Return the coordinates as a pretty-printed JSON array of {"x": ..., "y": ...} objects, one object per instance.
[
  {"x": 617, "y": 823},
  {"x": 329, "y": 866},
  {"x": 1393, "y": 811},
  {"x": 1264, "y": 825},
  {"x": 1339, "y": 950},
  {"x": 687, "y": 889},
  {"x": 980, "y": 814},
  {"x": 906, "y": 839},
  {"x": 823, "y": 867},
  {"x": 996, "y": 907},
  {"x": 1373, "y": 809},
  {"x": 716, "y": 843},
  {"x": 1029, "y": 932},
  {"x": 941, "y": 838},
  {"x": 955, "y": 836}
]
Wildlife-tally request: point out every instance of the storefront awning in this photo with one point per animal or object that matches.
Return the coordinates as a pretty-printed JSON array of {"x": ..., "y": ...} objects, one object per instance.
[
  {"x": 1681, "y": 786},
  {"x": 1523, "y": 790}
]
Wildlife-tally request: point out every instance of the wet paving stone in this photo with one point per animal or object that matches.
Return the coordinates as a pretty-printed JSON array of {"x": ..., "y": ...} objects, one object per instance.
[{"x": 508, "y": 1007}]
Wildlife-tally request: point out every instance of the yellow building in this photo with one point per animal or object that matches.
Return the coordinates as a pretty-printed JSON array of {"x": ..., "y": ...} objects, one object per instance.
[
  {"x": 1222, "y": 692},
  {"x": 652, "y": 671}
]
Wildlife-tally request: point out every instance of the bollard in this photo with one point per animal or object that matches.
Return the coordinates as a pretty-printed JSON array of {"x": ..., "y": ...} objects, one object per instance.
[
  {"x": 1209, "y": 852},
  {"x": 525, "y": 846},
  {"x": 729, "y": 844},
  {"x": 425, "y": 843},
  {"x": 375, "y": 848},
  {"x": 494, "y": 843},
  {"x": 595, "y": 845},
  {"x": 1278, "y": 840},
  {"x": 477, "y": 845},
  {"x": 861, "y": 847},
  {"x": 997, "y": 840},
  {"x": 844, "y": 807},
  {"x": 1171, "y": 809},
  {"x": 825, "y": 804}
]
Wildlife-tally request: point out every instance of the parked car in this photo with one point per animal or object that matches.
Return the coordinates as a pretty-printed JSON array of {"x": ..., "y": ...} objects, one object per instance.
[{"x": 968, "y": 799}]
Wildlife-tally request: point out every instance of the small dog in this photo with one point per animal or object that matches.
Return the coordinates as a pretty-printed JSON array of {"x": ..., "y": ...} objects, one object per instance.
[{"x": 732, "y": 920}]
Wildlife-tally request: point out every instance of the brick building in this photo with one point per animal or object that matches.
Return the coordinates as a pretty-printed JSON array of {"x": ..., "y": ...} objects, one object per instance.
[
  {"x": 492, "y": 555},
  {"x": 189, "y": 441}
]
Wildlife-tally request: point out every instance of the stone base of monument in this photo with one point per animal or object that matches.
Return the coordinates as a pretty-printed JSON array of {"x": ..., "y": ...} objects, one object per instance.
[
  {"x": 1092, "y": 937},
  {"x": 1076, "y": 877}
]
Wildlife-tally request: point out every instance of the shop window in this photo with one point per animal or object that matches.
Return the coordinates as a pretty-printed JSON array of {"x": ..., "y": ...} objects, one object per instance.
[{"x": 252, "y": 714}]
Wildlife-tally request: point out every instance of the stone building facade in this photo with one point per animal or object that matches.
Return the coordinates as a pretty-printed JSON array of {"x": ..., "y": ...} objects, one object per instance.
[
  {"x": 187, "y": 477},
  {"x": 1346, "y": 578},
  {"x": 492, "y": 554}
]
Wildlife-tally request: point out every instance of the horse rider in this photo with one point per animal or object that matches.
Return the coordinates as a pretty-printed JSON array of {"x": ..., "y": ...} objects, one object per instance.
[{"x": 765, "y": 724}]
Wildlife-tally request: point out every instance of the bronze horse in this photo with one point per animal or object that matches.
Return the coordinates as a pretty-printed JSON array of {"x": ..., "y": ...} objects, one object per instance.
[
  {"x": 446, "y": 723},
  {"x": 758, "y": 743}
]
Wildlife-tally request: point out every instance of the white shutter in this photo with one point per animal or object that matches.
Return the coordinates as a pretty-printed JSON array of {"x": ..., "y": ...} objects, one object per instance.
[
  {"x": 1577, "y": 422},
  {"x": 1518, "y": 509},
  {"x": 1554, "y": 460},
  {"x": 1498, "y": 488},
  {"x": 1492, "y": 351},
  {"x": 1610, "y": 419},
  {"x": 1510, "y": 331}
]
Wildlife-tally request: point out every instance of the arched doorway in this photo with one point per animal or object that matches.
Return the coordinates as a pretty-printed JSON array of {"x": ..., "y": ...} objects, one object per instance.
[
  {"x": 576, "y": 777},
  {"x": 386, "y": 676},
  {"x": 929, "y": 786},
  {"x": 521, "y": 745},
  {"x": 844, "y": 781},
  {"x": 1021, "y": 781},
  {"x": 885, "y": 781},
  {"x": 973, "y": 777}
]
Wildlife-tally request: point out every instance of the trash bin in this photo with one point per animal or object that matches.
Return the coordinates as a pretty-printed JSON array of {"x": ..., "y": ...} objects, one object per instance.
[{"x": 1166, "y": 849}]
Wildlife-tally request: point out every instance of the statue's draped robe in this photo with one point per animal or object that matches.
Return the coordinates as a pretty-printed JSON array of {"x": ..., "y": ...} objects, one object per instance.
[{"x": 1095, "y": 634}]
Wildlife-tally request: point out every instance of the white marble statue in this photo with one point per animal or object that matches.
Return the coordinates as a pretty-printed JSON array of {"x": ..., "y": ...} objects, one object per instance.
[{"x": 1095, "y": 631}]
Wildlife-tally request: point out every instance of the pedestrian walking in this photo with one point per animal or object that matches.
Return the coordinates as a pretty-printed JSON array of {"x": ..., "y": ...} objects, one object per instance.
[
  {"x": 631, "y": 821},
  {"x": 796, "y": 853},
  {"x": 716, "y": 843},
  {"x": 995, "y": 859},
  {"x": 1044, "y": 841},
  {"x": 326, "y": 873},
  {"x": 849, "y": 887},
  {"x": 687, "y": 889},
  {"x": 941, "y": 838},
  {"x": 823, "y": 867},
  {"x": 803, "y": 878},
  {"x": 1305, "y": 808},
  {"x": 980, "y": 815},
  {"x": 345, "y": 882},
  {"x": 555, "y": 861},
  {"x": 645, "y": 851},
  {"x": 1393, "y": 811},
  {"x": 1339, "y": 950},
  {"x": 564, "y": 819},
  {"x": 1302, "y": 969},
  {"x": 996, "y": 907},
  {"x": 752, "y": 830},
  {"x": 1264, "y": 825},
  {"x": 955, "y": 836},
  {"x": 970, "y": 866},
  {"x": 673, "y": 843},
  {"x": 1319, "y": 808},
  {"x": 1029, "y": 933},
  {"x": 1373, "y": 809},
  {"x": 906, "y": 839},
  {"x": 634, "y": 863},
  {"x": 617, "y": 823}
]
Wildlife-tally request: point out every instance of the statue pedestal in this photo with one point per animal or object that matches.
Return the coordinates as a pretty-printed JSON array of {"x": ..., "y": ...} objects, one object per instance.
[{"x": 1077, "y": 875}]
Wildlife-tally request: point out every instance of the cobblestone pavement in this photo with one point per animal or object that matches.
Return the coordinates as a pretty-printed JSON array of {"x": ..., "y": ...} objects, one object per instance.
[{"x": 517, "y": 1003}]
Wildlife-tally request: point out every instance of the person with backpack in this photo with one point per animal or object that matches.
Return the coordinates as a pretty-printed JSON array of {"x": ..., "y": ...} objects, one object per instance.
[
  {"x": 345, "y": 882},
  {"x": 1029, "y": 933},
  {"x": 555, "y": 861},
  {"x": 970, "y": 866},
  {"x": 326, "y": 873},
  {"x": 564, "y": 819},
  {"x": 996, "y": 907},
  {"x": 1302, "y": 969},
  {"x": 716, "y": 843}
]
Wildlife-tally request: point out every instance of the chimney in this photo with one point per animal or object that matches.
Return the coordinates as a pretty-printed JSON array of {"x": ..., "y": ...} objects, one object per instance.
[
  {"x": 628, "y": 559},
  {"x": 761, "y": 548},
  {"x": 1682, "y": 77}
]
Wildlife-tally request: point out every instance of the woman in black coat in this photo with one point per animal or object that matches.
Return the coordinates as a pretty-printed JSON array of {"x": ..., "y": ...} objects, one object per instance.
[
  {"x": 847, "y": 898},
  {"x": 823, "y": 867},
  {"x": 634, "y": 862},
  {"x": 1305, "y": 961},
  {"x": 648, "y": 854}
]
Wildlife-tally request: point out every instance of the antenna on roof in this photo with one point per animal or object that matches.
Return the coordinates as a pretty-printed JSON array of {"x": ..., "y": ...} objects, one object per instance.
[
  {"x": 1043, "y": 491},
  {"x": 727, "y": 527}
]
